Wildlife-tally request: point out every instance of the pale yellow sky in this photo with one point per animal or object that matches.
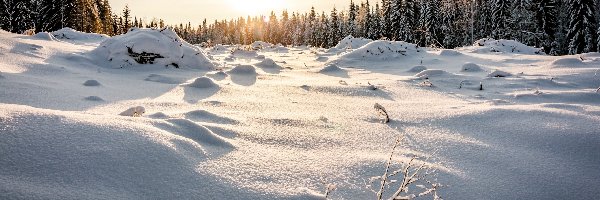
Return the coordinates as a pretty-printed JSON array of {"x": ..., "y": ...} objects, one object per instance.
[{"x": 194, "y": 11}]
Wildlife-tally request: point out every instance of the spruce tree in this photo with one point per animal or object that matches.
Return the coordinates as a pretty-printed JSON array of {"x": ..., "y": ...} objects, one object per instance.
[
  {"x": 545, "y": 18},
  {"x": 501, "y": 17},
  {"x": 127, "y": 19},
  {"x": 582, "y": 27}
]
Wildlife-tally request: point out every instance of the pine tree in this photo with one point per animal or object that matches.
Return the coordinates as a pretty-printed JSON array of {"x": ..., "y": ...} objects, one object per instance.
[
  {"x": 105, "y": 17},
  {"x": 408, "y": 20},
  {"x": 500, "y": 19},
  {"x": 545, "y": 18},
  {"x": 352, "y": 13},
  {"x": 127, "y": 19},
  {"x": 12, "y": 16},
  {"x": 386, "y": 18},
  {"x": 582, "y": 32},
  {"x": 333, "y": 28}
]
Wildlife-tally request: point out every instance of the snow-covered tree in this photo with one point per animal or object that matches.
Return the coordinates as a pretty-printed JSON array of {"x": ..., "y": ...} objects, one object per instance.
[
  {"x": 501, "y": 17},
  {"x": 545, "y": 18},
  {"x": 582, "y": 27}
]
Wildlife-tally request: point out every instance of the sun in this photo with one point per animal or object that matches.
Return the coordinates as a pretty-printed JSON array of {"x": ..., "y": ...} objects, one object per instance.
[{"x": 257, "y": 7}]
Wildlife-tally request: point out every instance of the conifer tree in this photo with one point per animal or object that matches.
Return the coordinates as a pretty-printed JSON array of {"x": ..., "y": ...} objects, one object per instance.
[{"x": 582, "y": 27}]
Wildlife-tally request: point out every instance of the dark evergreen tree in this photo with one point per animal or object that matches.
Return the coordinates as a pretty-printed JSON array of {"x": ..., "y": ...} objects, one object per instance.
[
  {"x": 127, "y": 19},
  {"x": 545, "y": 18},
  {"x": 501, "y": 17},
  {"x": 582, "y": 27}
]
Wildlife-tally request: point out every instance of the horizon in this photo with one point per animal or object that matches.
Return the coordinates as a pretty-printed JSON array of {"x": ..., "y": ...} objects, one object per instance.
[{"x": 196, "y": 11}]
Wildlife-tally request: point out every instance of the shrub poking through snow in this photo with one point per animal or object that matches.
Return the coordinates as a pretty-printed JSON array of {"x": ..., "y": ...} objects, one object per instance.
[
  {"x": 137, "y": 111},
  {"x": 412, "y": 174},
  {"x": 426, "y": 83},
  {"x": 329, "y": 187},
  {"x": 371, "y": 86},
  {"x": 382, "y": 112},
  {"x": 144, "y": 57}
]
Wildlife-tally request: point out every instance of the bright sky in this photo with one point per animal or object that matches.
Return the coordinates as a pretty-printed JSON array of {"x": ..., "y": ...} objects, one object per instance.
[{"x": 182, "y": 11}]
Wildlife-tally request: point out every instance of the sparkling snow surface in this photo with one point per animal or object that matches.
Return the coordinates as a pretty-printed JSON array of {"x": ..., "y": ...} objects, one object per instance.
[{"x": 285, "y": 122}]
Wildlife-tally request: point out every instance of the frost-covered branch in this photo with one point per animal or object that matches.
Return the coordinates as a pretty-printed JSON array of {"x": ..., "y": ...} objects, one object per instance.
[{"x": 411, "y": 174}]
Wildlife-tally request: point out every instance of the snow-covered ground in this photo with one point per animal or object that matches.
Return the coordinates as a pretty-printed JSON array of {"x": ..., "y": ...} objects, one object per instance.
[{"x": 80, "y": 119}]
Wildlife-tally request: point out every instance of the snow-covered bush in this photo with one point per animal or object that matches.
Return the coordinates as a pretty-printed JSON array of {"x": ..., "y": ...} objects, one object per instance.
[
  {"x": 384, "y": 50},
  {"x": 350, "y": 42},
  {"x": 471, "y": 67},
  {"x": 162, "y": 47},
  {"x": 488, "y": 45},
  {"x": 499, "y": 74},
  {"x": 70, "y": 34}
]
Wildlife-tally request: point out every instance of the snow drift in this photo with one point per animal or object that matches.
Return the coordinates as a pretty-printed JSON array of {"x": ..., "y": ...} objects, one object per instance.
[
  {"x": 161, "y": 47},
  {"x": 73, "y": 35},
  {"x": 384, "y": 50},
  {"x": 350, "y": 42},
  {"x": 489, "y": 45}
]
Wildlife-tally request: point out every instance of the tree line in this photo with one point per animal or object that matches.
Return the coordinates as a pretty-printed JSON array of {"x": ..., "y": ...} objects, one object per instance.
[
  {"x": 558, "y": 26},
  {"x": 92, "y": 16}
]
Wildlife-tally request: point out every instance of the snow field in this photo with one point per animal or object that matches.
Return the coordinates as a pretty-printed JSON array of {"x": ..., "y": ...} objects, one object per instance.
[{"x": 245, "y": 131}]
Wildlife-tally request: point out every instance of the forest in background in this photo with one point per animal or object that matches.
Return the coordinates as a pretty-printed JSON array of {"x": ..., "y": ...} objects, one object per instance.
[{"x": 558, "y": 26}]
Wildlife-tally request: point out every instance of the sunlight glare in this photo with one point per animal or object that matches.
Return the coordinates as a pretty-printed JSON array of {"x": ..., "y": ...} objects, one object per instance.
[{"x": 257, "y": 7}]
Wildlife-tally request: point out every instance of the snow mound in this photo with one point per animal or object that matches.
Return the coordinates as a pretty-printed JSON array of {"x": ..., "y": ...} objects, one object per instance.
[
  {"x": 567, "y": 62},
  {"x": 70, "y": 34},
  {"x": 260, "y": 45},
  {"x": 162, "y": 47},
  {"x": 134, "y": 111},
  {"x": 350, "y": 42},
  {"x": 205, "y": 116},
  {"x": 322, "y": 59},
  {"x": 431, "y": 73},
  {"x": 488, "y": 45},
  {"x": 73, "y": 156},
  {"x": 94, "y": 98},
  {"x": 471, "y": 67},
  {"x": 203, "y": 82},
  {"x": 219, "y": 48},
  {"x": 44, "y": 36},
  {"x": 243, "y": 69},
  {"x": 449, "y": 52},
  {"x": 268, "y": 63},
  {"x": 162, "y": 79},
  {"x": 91, "y": 83},
  {"x": 499, "y": 73},
  {"x": 196, "y": 132},
  {"x": 330, "y": 68},
  {"x": 383, "y": 50},
  {"x": 241, "y": 53},
  {"x": 417, "y": 69},
  {"x": 158, "y": 115}
]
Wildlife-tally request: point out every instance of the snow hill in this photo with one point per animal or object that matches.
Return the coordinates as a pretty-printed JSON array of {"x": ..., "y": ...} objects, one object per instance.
[
  {"x": 80, "y": 118},
  {"x": 161, "y": 47}
]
